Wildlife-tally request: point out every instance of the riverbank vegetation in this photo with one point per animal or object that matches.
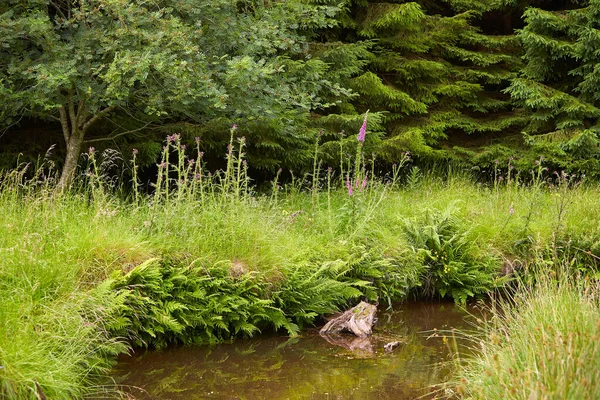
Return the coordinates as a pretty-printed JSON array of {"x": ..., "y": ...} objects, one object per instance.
[
  {"x": 541, "y": 343},
  {"x": 209, "y": 257},
  {"x": 481, "y": 161}
]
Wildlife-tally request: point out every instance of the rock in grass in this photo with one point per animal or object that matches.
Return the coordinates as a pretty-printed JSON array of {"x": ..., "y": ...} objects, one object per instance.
[{"x": 358, "y": 320}]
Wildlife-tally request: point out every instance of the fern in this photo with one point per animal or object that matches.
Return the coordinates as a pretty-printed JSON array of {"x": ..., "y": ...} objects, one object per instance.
[{"x": 454, "y": 264}]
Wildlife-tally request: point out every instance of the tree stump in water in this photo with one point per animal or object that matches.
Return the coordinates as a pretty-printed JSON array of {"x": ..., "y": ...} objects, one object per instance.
[{"x": 359, "y": 320}]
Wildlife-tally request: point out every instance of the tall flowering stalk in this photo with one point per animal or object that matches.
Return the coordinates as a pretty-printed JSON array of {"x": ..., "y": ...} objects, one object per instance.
[
  {"x": 363, "y": 130},
  {"x": 134, "y": 177},
  {"x": 359, "y": 175}
]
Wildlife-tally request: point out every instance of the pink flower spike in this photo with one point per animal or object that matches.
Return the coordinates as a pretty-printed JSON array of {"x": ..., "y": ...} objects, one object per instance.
[
  {"x": 349, "y": 186},
  {"x": 363, "y": 129},
  {"x": 364, "y": 183}
]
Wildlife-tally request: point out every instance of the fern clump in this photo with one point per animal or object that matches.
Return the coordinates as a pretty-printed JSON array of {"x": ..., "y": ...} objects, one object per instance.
[
  {"x": 170, "y": 302},
  {"x": 454, "y": 264}
]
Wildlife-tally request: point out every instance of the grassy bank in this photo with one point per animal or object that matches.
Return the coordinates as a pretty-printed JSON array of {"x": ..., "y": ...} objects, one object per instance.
[
  {"x": 542, "y": 343},
  {"x": 86, "y": 274}
]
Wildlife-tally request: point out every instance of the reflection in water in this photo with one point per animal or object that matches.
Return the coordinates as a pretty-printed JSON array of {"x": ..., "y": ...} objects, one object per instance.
[{"x": 305, "y": 367}]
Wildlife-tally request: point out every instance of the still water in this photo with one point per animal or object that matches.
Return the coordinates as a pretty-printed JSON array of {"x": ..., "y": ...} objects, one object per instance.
[{"x": 308, "y": 366}]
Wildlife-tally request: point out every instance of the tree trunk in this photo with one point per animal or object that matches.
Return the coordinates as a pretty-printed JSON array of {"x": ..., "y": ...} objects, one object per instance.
[
  {"x": 74, "y": 144},
  {"x": 75, "y": 121},
  {"x": 359, "y": 320}
]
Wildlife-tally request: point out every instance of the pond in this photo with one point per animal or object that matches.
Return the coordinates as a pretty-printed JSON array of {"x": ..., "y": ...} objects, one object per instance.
[{"x": 308, "y": 366}]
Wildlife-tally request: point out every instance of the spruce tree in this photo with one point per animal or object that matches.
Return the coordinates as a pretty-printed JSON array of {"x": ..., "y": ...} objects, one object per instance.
[
  {"x": 559, "y": 85},
  {"x": 434, "y": 78}
]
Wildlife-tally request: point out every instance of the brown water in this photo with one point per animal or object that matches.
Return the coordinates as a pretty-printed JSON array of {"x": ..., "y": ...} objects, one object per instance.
[{"x": 305, "y": 367}]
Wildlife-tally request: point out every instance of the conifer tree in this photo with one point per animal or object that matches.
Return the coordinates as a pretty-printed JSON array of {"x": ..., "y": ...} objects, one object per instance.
[
  {"x": 559, "y": 84},
  {"x": 433, "y": 76}
]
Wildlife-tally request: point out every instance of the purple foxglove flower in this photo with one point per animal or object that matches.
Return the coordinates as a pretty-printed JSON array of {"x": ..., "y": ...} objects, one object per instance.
[
  {"x": 363, "y": 129},
  {"x": 349, "y": 186}
]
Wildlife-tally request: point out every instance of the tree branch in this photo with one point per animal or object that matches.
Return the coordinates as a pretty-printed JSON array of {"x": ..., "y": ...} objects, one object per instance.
[
  {"x": 72, "y": 115},
  {"x": 57, "y": 8},
  {"x": 64, "y": 121},
  {"x": 119, "y": 134},
  {"x": 80, "y": 112},
  {"x": 98, "y": 115}
]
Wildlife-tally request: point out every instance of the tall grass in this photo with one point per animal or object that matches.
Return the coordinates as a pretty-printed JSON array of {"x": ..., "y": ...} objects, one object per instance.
[
  {"x": 541, "y": 343},
  {"x": 206, "y": 258}
]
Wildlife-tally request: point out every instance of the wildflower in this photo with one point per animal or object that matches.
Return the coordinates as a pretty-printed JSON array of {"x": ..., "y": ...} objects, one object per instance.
[
  {"x": 349, "y": 186},
  {"x": 183, "y": 147},
  {"x": 364, "y": 183},
  {"x": 173, "y": 138},
  {"x": 92, "y": 150},
  {"x": 511, "y": 211},
  {"x": 197, "y": 140},
  {"x": 363, "y": 129},
  {"x": 198, "y": 176},
  {"x": 162, "y": 165},
  {"x": 134, "y": 151},
  {"x": 234, "y": 127}
]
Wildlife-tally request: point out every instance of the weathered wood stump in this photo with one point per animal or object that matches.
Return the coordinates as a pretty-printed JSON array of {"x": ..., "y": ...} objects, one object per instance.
[{"x": 358, "y": 320}]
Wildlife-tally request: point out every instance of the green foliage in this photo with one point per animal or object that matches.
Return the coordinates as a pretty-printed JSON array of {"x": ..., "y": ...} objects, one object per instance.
[
  {"x": 169, "y": 303},
  {"x": 207, "y": 62},
  {"x": 433, "y": 74},
  {"x": 205, "y": 258},
  {"x": 558, "y": 85},
  {"x": 535, "y": 344},
  {"x": 455, "y": 265},
  {"x": 309, "y": 291}
]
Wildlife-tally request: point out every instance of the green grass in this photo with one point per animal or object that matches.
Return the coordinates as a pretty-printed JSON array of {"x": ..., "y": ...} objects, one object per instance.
[
  {"x": 85, "y": 274},
  {"x": 541, "y": 343}
]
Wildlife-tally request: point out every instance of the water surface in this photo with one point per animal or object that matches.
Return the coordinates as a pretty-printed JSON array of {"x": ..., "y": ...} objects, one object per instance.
[{"x": 308, "y": 366}]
